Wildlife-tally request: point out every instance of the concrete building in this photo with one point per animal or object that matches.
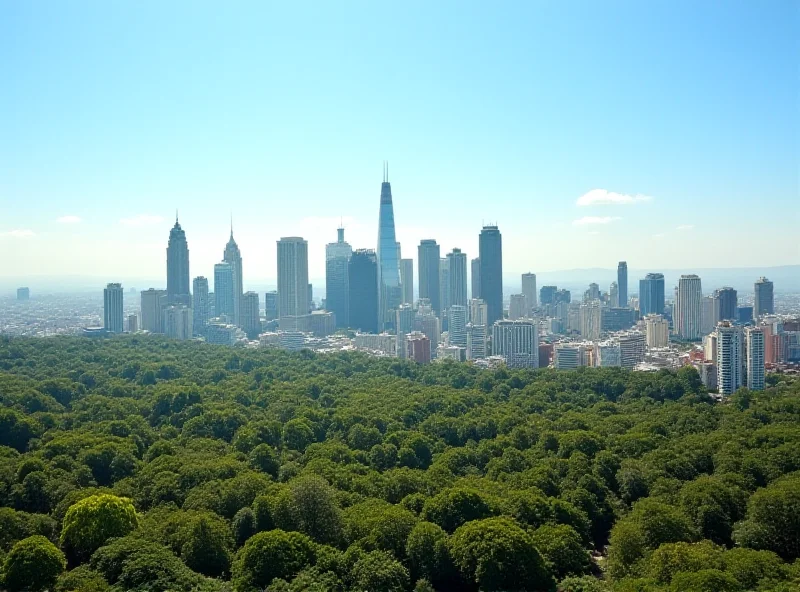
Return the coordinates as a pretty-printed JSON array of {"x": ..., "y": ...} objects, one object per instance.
[
  {"x": 728, "y": 303},
  {"x": 428, "y": 260},
  {"x": 607, "y": 353},
  {"x": 249, "y": 315},
  {"x": 221, "y": 333},
  {"x": 475, "y": 270},
  {"x": 491, "y": 256},
  {"x": 529, "y": 289},
  {"x": 708, "y": 375},
  {"x": 764, "y": 301},
  {"x": 591, "y": 319},
  {"x": 153, "y": 303},
  {"x": 320, "y": 323},
  {"x": 617, "y": 319},
  {"x": 478, "y": 312},
  {"x": 709, "y": 314},
  {"x": 404, "y": 322},
  {"x": 613, "y": 295},
  {"x": 444, "y": 287},
  {"x": 133, "y": 323},
  {"x": 622, "y": 284},
  {"x": 687, "y": 319},
  {"x": 547, "y": 294},
  {"x": 517, "y": 342},
  {"x": 292, "y": 277},
  {"x": 383, "y": 343},
  {"x": 457, "y": 268},
  {"x": 407, "y": 280},
  {"x": 337, "y": 285},
  {"x": 178, "y": 321},
  {"x": 518, "y": 307},
  {"x": 112, "y": 308},
  {"x": 755, "y": 358},
  {"x": 632, "y": 345},
  {"x": 201, "y": 312},
  {"x": 710, "y": 347},
  {"x": 656, "y": 331},
  {"x": 225, "y": 292},
  {"x": 428, "y": 323},
  {"x": 271, "y": 305},
  {"x": 419, "y": 347},
  {"x": 651, "y": 294},
  {"x": 457, "y": 323},
  {"x": 178, "y": 266},
  {"x": 593, "y": 293},
  {"x": 451, "y": 352},
  {"x": 477, "y": 342},
  {"x": 729, "y": 358},
  {"x": 568, "y": 356},
  {"x": 744, "y": 314},
  {"x": 23, "y": 294}
]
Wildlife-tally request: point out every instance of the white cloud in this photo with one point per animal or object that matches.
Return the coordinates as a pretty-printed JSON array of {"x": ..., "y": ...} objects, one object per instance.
[
  {"x": 659, "y": 235},
  {"x": 142, "y": 220},
  {"x": 69, "y": 219},
  {"x": 685, "y": 227},
  {"x": 603, "y": 197},
  {"x": 19, "y": 233},
  {"x": 590, "y": 220}
]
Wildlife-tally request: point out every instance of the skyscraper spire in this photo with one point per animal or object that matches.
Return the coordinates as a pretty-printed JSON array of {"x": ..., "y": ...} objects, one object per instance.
[
  {"x": 176, "y": 215},
  {"x": 231, "y": 223}
]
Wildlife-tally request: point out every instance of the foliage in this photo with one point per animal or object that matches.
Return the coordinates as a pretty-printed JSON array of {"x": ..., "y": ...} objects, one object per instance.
[
  {"x": 773, "y": 519},
  {"x": 93, "y": 520},
  {"x": 562, "y": 549},
  {"x": 270, "y": 555},
  {"x": 33, "y": 564}
]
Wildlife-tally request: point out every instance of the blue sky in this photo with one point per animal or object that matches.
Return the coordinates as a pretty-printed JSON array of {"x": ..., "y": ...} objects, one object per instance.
[{"x": 114, "y": 114}]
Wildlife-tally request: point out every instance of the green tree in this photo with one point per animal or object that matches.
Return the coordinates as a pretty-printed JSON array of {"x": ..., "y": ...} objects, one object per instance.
[
  {"x": 207, "y": 548},
  {"x": 92, "y": 521},
  {"x": 496, "y": 554},
  {"x": 672, "y": 558},
  {"x": 453, "y": 507},
  {"x": 706, "y": 580},
  {"x": 379, "y": 571},
  {"x": 33, "y": 565},
  {"x": 750, "y": 567},
  {"x": 270, "y": 555},
  {"x": 264, "y": 459},
  {"x": 309, "y": 505},
  {"x": 773, "y": 519},
  {"x": 427, "y": 552},
  {"x": 243, "y": 526},
  {"x": 562, "y": 549},
  {"x": 81, "y": 579}
]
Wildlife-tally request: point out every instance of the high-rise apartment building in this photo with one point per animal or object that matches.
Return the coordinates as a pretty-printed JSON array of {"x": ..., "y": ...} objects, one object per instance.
[
  {"x": 651, "y": 294},
  {"x": 407, "y": 280},
  {"x": 728, "y": 303},
  {"x": 457, "y": 325},
  {"x": 388, "y": 255},
  {"x": 517, "y": 342},
  {"x": 476, "y": 341},
  {"x": 457, "y": 268},
  {"x": 271, "y": 305},
  {"x": 729, "y": 358},
  {"x": 444, "y": 285},
  {"x": 224, "y": 292},
  {"x": 764, "y": 302},
  {"x": 201, "y": 312},
  {"x": 547, "y": 294},
  {"x": 429, "y": 324},
  {"x": 178, "y": 322},
  {"x": 593, "y": 293},
  {"x": 478, "y": 312},
  {"x": 112, "y": 308},
  {"x": 656, "y": 330},
  {"x": 428, "y": 261},
  {"x": 617, "y": 318},
  {"x": 491, "y": 256},
  {"x": 622, "y": 283},
  {"x": 337, "y": 285},
  {"x": 153, "y": 303},
  {"x": 233, "y": 256},
  {"x": 687, "y": 318},
  {"x": 250, "y": 315},
  {"x": 404, "y": 323},
  {"x": 632, "y": 346},
  {"x": 591, "y": 319},
  {"x": 23, "y": 294},
  {"x": 754, "y": 337},
  {"x": 178, "y": 266},
  {"x": 475, "y": 272},
  {"x": 518, "y": 307},
  {"x": 709, "y": 315},
  {"x": 293, "y": 277},
  {"x": 613, "y": 295},
  {"x": 133, "y": 323},
  {"x": 529, "y": 289},
  {"x": 363, "y": 280}
]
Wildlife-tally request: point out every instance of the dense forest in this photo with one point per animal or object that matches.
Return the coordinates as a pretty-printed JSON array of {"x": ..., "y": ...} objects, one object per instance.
[{"x": 137, "y": 463}]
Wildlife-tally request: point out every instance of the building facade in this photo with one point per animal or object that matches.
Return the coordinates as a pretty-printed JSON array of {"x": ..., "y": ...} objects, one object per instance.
[
  {"x": 729, "y": 358},
  {"x": 201, "y": 312},
  {"x": 517, "y": 342},
  {"x": 687, "y": 318},
  {"x": 225, "y": 292},
  {"x": 388, "y": 256},
  {"x": 622, "y": 283},
  {"x": 651, "y": 294},
  {"x": 113, "y": 318},
  {"x": 250, "y": 315},
  {"x": 475, "y": 271},
  {"x": 337, "y": 285},
  {"x": 656, "y": 330},
  {"x": 428, "y": 261},
  {"x": 764, "y": 301},
  {"x": 177, "y": 266},
  {"x": 518, "y": 307},
  {"x": 407, "y": 280},
  {"x": 529, "y": 289},
  {"x": 457, "y": 268},
  {"x": 178, "y": 321},
  {"x": 233, "y": 256},
  {"x": 363, "y": 279},
  {"x": 292, "y": 277},
  {"x": 754, "y": 338},
  {"x": 491, "y": 255},
  {"x": 153, "y": 303},
  {"x": 457, "y": 323},
  {"x": 728, "y": 303}
]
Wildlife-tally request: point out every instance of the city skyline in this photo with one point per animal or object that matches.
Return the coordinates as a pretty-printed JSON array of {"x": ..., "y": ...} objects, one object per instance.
[{"x": 557, "y": 134}]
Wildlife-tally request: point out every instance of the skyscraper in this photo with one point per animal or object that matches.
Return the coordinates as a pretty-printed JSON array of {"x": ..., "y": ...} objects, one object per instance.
[
  {"x": 591, "y": 319},
  {"x": 407, "y": 280},
  {"x": 23, "y": 294},
  {"x": 518, "y": 343},
  {"x": 363, "y": 280},
  {"x": 622, "y": 284},
  {"x": 491, "y": 256},
  {"x": 233, "y": 256},
  {"x": 337, "y": 258},
  {"x": 153, "y": 303},
  {"x": 728, "y": 302},
  {"x": 688, "y": 315},
  {"x": 529, "y": 289},
  {"x": 764, "y": 303},
  {"x": 457, "y": 323},
  {"x": 249, "y": 314},
  {"x": 428, "y": 261},
  {"x": 112, "y": 308},
  {"x": 729, "y": 360},
  {"x": 444, "y": 285},
  {"x": 613, "y": 295},
  {"x": 388, "y": 256},
  {"x": 224, "y": 291},
  {"x": 656, "y": 330},
  {"x": 547, "y": 294},
  {"x": 178, "y": 321},
  {"x": 292, "y": 277},
  {"x": 518, "y": 307},
  {"x": 651, "y": 294},
  {"x": 177, "y": 266},
  {"x": 475, "y": 270},
  {"x": 271, "y": 305},
  {"x": 709, "y": 315},
  {"x": 200, "y": 305},
  {"x": 457, "y": 263},
  {"x": 755, "y": 358}
]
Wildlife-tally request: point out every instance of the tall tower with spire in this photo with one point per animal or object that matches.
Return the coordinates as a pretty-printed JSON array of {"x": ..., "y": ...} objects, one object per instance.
[
  {"x": 390, "y": 291},
  {"x": 233, "y": 256},
  {"x": 178, "y": 266}
]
